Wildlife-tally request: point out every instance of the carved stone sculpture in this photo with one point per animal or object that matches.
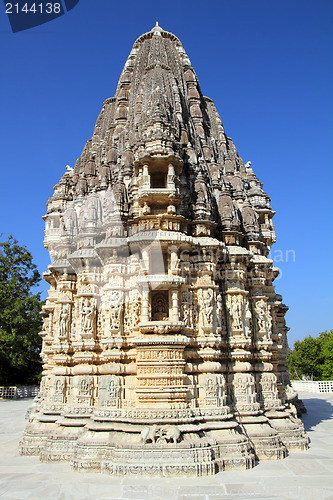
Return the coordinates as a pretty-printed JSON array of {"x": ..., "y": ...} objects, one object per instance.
[
  {"x": 87, "y": 316},
  {"x": 63, "y": 323},
  {"x": 264, "y": 318},
  {"x": 160, "y": 434},
  {"x": 164, "y": 343},
  {"x": 235, "y": 304}
]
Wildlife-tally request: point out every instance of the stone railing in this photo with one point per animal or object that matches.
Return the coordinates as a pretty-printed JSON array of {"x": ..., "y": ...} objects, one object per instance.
[
  {"x": 13, "y": 392},
  {"x": 312, "y": 385}
]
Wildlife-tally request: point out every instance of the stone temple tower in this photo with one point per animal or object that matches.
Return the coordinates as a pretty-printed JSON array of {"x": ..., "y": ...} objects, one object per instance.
[{"x": 164, "y": 342}]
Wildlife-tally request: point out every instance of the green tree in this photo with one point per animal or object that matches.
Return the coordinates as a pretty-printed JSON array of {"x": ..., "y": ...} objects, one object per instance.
[
  {"x": 312, "y": 358},
  {"x": 20, "y": 319},
  {"x": 326, "y": 345}
]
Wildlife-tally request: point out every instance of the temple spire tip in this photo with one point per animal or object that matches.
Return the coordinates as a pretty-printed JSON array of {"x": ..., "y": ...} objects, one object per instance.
[{"x": 157, "y": 27}]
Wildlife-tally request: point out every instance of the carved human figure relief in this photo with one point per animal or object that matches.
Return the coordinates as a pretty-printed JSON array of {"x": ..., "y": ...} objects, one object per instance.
[
  {"x": 116, "y": 308},
  {"x": 84, "y": 390},
  {"x": 220, "y": 324},
  {"x": 269, "y": 388},
  {"x": 260, "y": 314},
  {"x": 212, "y": 390},
  {"x": 109, "y": 391},
  {"x": 160, "y": 307},
  {"x": 247, "y": 319},
  {"x": 244, "y": 388},
  {"x": 64, "y": 321},
  {"x": 186, "y": 309},
  {"x": 206, "y": 307},
  {"x": 268, "y": 382},
  {"x": 235, "y": 307},
  {"x": 264, "y": 318},
  {"x": 135, "y": 311},
  {"x": 59, "y": 390},
  {"x": 186, "y": 315},
  {"x": 87, "y": 316},
  {"x": 211, "y": 387}
]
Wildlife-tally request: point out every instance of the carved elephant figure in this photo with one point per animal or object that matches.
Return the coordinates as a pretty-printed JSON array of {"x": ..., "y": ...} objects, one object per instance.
[
  {"x": 148, "y": 433},
  {"x": 171, "y": 434},
  {"x": 160, "y": 434}
]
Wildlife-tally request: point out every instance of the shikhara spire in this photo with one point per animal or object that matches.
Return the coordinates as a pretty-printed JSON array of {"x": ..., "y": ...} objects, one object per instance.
[
  {"x": 159, "y": 111},
  {"x": 164, "y": 342}
]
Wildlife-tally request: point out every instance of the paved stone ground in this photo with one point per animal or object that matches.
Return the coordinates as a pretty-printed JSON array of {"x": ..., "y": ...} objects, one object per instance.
[{"x": 306, "y": 475}]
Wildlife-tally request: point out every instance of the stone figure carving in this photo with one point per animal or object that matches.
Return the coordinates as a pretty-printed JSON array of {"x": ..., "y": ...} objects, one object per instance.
[
  {"x": 235, "y": 306},
  {"x": 135, "y": 313},
  {"x": 186, "y": 315},
  {"x": 213, "y": 385},
  {"x": 244, "y": 388},
  {"x": 160, "y": 434},
  {"x": 206, "y": 307},
  {"x": 264, "y": 318},
  {"x": 268, "y": 383},
  {"x": 87, "y": 312},
  {"x": 85, "y": 387},
  {"x": 84, "y": 390},
  {"x": 116, "y": 307},
  {"x": 113, "y": 388},
  {"x": 269, "y": 390},
  {"x": 64, "y": 322},
  {"x": 109, "y": 391},
  {"x": 186, "y": 309},
  {"x": 212, "y": 390},
  {"x": 247, "y": 319},
  {"x": 59, "y": 390},
  {"x": 219, "y": 312},
  {"x": 160, "y": 307}
]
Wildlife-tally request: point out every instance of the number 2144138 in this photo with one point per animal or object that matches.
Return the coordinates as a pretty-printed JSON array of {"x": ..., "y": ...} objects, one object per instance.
[{"x": 35, "y": 8}]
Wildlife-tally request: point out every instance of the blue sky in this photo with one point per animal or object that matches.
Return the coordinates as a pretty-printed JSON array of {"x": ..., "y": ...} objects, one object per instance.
[{"x": 266, "y": 64}]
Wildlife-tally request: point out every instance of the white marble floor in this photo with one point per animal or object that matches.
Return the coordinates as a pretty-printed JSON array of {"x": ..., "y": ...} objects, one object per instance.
[{"x": 307, "y": 475}]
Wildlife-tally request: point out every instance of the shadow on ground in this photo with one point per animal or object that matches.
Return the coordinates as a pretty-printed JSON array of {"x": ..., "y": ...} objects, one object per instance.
[{"x": 317, "y": 411}]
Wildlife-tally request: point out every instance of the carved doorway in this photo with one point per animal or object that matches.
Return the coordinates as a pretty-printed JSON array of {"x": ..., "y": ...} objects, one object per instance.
[{"x": 158, "y": 180}]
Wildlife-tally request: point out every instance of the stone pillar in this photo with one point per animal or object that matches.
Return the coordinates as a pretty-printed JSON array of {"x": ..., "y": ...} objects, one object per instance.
[
  {"x": 145, "y": 260},
  {"x": 171, "y": 176},
  {"x": 173, "y": 259},
  {"x": 175, "y": 307},
  {"x": 145, "y": 305},
  {"x": 145, "y": 177}
]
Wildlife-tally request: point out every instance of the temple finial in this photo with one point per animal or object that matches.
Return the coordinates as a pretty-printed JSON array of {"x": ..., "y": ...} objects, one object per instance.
[{"x": 157, "y": 28}]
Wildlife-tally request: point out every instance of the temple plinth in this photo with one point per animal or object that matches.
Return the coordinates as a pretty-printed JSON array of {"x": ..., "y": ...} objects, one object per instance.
[{"x": 164, "y": 342}]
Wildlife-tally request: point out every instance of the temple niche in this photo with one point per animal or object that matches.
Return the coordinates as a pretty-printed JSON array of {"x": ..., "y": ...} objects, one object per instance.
[{"x": 164, "y": 342}]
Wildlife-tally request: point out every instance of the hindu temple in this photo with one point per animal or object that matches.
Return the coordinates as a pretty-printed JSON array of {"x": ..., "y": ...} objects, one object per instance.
[{"x": 164, "y": 341}]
